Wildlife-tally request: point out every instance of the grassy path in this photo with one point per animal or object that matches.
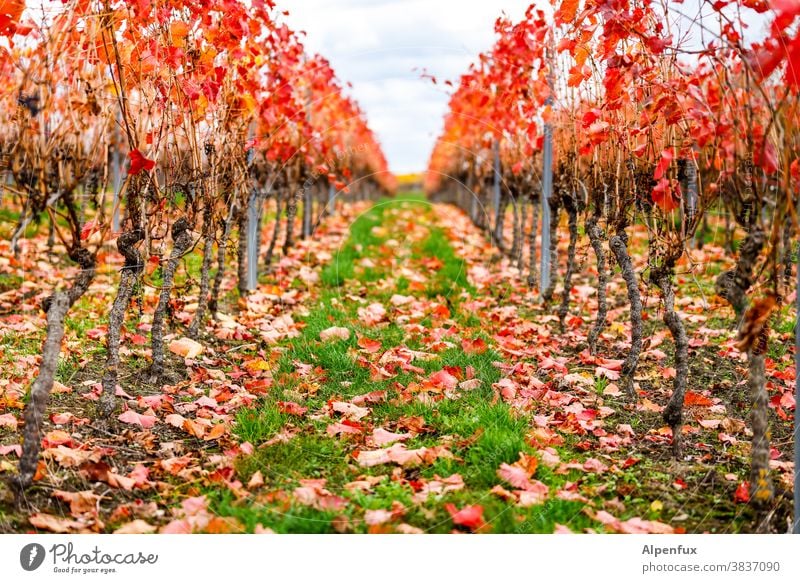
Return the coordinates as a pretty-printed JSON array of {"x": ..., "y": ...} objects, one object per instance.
[
  {"x": 398, "y": 427},
  {"x": 392, "y": 374}
]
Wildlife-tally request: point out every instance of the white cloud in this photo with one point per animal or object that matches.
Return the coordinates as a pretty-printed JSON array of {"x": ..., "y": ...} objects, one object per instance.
[{"x": 377, "y": 44}]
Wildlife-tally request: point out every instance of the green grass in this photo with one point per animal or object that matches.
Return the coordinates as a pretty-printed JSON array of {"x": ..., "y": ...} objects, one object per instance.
[
  {"x": 342, "y": 267},
  {"x": 9, "y": 281},
  {"x": 452, "y": 277}
]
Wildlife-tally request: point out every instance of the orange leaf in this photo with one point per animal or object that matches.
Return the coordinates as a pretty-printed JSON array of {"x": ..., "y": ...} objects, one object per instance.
[
  {"x": 369, "y": 344},
  {"x": 692, "y": 398},
  {"x": 476, "y": 346},
  {"x": 194, "y": 428},
  {"x": 566, "y": 12},
  {"x": 216, "y": 432}
]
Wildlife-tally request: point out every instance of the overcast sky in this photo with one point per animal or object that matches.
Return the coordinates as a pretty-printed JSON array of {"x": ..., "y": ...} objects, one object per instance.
[{"x": 377, "y": 44}]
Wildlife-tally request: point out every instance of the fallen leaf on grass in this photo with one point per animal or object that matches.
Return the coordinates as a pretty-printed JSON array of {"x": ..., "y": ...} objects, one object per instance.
[
  {"x": 120, "y": 481},
  {"x": 399, "y": 454},
  {"x": 69, "y": 457},
  {"x": 7, "y": 449},
  {"x": 514, "y": 475},
  {"x": 634, "y": 525},
  {"x": 80, "y": 503},
  {"x": 137, "y": 526},
  {"x": 175, "y": 465},
  {"x": 476, "y": 346},
  {"x": 379, "y": 516},
  {"x": 313, "y": 493},
  {"x": 66, "y": 418},
  {"x": 349, "y": 410},
  {"x": 369, "y": 344},
  {"x": 60, "y": 388},
  {"x": 56, "y": 524},
  {"x": 334, "y": 333},
  {"x": 194, "y": 428},
  {"x": 444, "y": 380},
  {"x": 134, "y": 418},
  {"x": 371, "y": 397},
  {"x": 696, "y": 399},
  {"x": 291, "y": 408},
  {"x": 216, "y": 432},
  {"x": 610, "y": 374},
  {"x": 256, "y": 480},
  {"x": 372, "y": 314},
  {"x": 438, "y": 487},
  {"x": 347, "y": 427},
  {"x": 470, "y": 385},
  {"x": 381, "y": 436},
  {"x": 469, "y": 516},
  {"x": 56, "y": 438},
  {"x": 186, "y": 347},
  {"x": 742, "y": 493},
  {"x": 400, "y": 300},
  {"x": 175, "y": 420},
  {"x": 8, "y": 420}
]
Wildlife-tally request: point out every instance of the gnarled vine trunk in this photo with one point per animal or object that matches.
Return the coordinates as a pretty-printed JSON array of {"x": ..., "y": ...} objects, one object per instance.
[
  {"x": 761, "y": 488},
  {"x": 241, "y": 265},
  {"x": 213, "y": 302},
  {"x": 181, "y": 241},
  {"x": 131, "y": 271},
  {"x": 56, "y": 306},
  {"x": 733, "y": 284},
  {"x": 619, "y": 247},
  {"x": 596, "y": 240},
  {"x": 673, "y": 413}
]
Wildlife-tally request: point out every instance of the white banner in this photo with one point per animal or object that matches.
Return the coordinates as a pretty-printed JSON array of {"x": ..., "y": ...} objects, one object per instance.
[{"x": 399, "y": 558}]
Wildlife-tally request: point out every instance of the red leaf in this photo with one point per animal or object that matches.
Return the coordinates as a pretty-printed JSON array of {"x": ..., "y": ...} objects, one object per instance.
[
  {"x": 469, "y": 516},
  {"x": 666, "y": 158},
  {"x": 477, "y": 346},
  {"x": 664, "y": 195},
  {"x": 444, "y": 380},
  {"x": 89, "y": 227},
  {"x": 697, "y": 399},
  {"x": 590, "y": 117},
  {"x": 139, "y": 163},
  {"x": 369, "y": 344},
  {"x": 742, "y": 493}
]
